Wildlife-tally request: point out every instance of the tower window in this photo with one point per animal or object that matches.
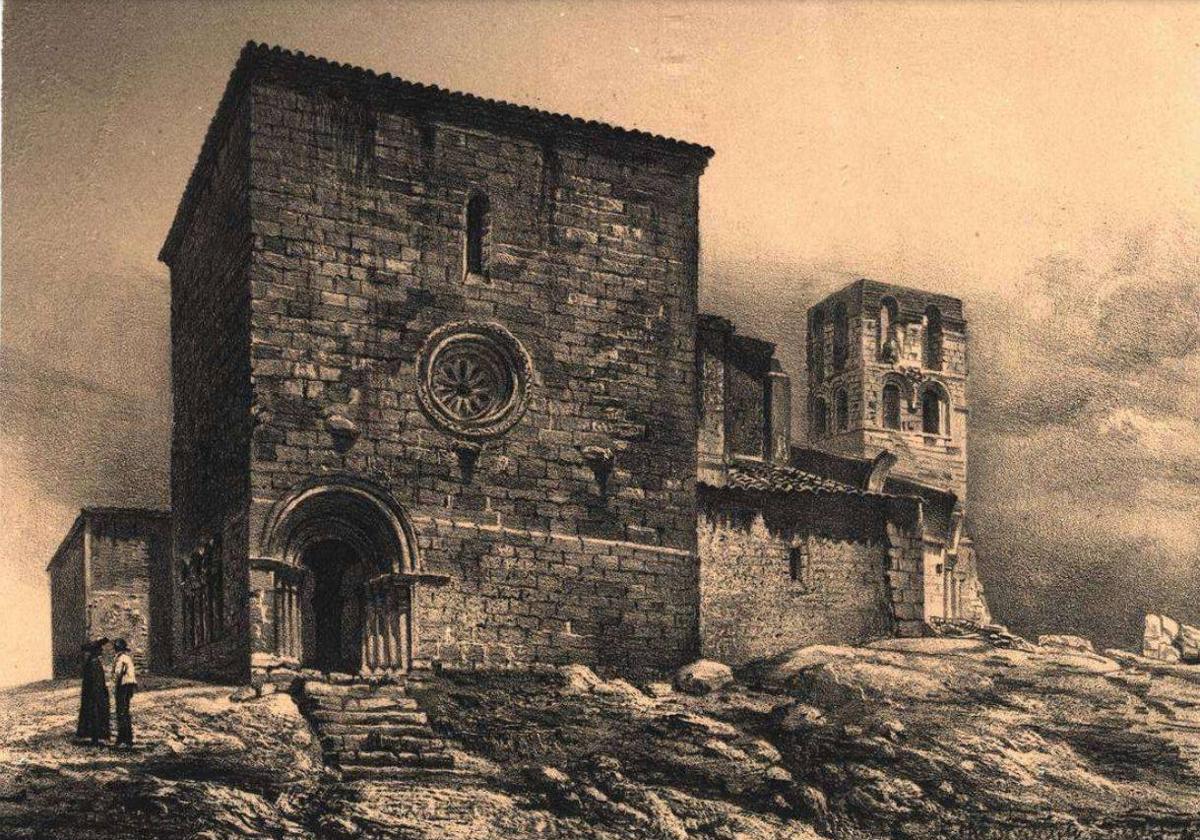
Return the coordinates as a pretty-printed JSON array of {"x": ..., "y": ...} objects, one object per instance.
[
  {"x": 891, "y": 406},
  {"x": 841, "y": 336},
  {"x": 842, "y": 410},
  {"x": 933, "y": 339},
  {"x": 887, "y": 333},
  {"x": 478, "y": 228},
  {"x": 820, "y": 418},
  {"x": 816, "y": 345},
  {"x": 935, "y": 411}
]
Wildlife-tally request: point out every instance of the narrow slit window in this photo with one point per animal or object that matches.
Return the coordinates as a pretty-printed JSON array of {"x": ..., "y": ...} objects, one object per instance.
[
  {"x": 887, "y": 333},
  {"x": 841, "y": 336},
  {"x": 933, "y": 338},
  {"x": 842, "y": 411},
  {"x": 820, "y": 418},
  {"x": 816, "y": 345},
  {"x": 478, "y": 228},
  {"x": 934, "y": 413},
  {"x": 891, "y": 406},
  {"x": 798, "y": 568}
]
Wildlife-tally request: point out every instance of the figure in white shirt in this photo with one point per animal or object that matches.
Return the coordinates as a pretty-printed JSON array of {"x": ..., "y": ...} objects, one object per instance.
[{"x": 125, "y": 683}]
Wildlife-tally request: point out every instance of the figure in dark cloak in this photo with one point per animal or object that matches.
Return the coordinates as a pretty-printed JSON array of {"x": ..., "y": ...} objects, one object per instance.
[{"x": 93, "y": 697}]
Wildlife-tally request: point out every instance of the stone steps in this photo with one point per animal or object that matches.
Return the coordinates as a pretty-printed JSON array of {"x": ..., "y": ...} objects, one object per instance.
[
  {"x": 372, "y": 731},
  {"x": 374, "y": 718}
]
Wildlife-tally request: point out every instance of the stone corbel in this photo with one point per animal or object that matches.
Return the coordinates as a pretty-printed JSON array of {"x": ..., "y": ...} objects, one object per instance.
[
  {"x": 467, "y": 452},
  {"x": 343, "y": 430},
  {"x": 600, "y": 460}
]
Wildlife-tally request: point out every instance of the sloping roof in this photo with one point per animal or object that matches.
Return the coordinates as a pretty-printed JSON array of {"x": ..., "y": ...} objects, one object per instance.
[
  {"x": 101, "y": 512},
  {"x": 774, "y": 478},
  {"x": 444, "y": 103},
  {"x": 841, "y": 468}
]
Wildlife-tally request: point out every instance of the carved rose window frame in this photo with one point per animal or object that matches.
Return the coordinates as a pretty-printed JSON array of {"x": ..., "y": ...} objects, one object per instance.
[{"x": 473, "y": 379}]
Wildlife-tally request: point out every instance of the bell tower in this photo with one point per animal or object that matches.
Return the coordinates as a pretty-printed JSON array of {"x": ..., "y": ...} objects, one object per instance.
[{"x": 887, "y": 370}]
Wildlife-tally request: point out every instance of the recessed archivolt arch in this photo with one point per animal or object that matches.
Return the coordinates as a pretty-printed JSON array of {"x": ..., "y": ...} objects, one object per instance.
[{"x": 352, "y": 510}]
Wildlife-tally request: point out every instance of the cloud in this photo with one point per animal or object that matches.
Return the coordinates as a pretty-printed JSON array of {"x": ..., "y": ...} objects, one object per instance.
[{"x": 1163, "y": 439}]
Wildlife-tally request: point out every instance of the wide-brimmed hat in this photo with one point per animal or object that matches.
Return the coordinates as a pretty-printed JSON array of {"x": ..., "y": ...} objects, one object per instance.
[{"x": 120, "y": 646}]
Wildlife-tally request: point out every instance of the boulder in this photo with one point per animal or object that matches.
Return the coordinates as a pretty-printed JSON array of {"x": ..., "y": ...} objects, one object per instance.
[
  {"x": 1166, "y": 640},
  {"x": 579, "y": 679},
  {"x": 658, "y": 690},
  {"x": 244, "y": 693},
  {"x": 1062, "y": 640},
  {"x": 703, "y": 676},
  {"x": 1188, "y": 642}
]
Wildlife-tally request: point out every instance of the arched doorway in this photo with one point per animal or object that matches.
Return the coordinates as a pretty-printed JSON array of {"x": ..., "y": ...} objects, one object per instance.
[
  {"x": 352, "y": 552},
  {"x": 332, "y": 606}
]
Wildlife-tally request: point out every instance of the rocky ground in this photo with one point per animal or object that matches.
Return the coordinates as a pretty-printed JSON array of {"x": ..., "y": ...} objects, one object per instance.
[{"x": 973, "y": 735}]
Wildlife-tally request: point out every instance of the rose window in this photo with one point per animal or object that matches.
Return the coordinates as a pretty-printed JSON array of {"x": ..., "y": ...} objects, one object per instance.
[{"x": 473, "y": 379}]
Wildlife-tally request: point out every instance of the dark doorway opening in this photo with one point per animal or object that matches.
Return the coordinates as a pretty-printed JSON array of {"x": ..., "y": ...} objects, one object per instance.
[{"x": 333, "y": 607}]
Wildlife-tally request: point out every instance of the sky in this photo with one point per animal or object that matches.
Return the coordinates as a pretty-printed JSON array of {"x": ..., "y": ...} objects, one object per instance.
[{"x": 1037, "y": 160}]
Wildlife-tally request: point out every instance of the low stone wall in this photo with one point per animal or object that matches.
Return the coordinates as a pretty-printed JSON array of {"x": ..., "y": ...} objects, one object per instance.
[
  {"x": 764, "y": 591},
  {"x": 512, "y": 597}
]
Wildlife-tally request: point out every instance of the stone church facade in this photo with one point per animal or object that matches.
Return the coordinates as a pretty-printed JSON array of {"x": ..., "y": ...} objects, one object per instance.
[
  {"x": 443, "y": 398},
  {"x": 433, "y": 363}
]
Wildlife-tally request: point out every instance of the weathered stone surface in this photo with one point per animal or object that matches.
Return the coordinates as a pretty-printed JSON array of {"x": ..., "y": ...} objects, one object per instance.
[
  {"x": 1165, "y": 639},
  {"x": 1059, "y": 640},
  {"x": 124, "y": 592},
  {"x": 771, "y": 587},
  {"x": 658, "y": 689},
  {"x": 703, "y": 676}
]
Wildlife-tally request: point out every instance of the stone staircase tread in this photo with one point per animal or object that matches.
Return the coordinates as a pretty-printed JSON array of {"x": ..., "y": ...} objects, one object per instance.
[
  {"x": 349, "y": 718},
  {"x": 367, "y": 741},
  {"x": 372, "y": 728},
  {"x": 372, "y": 731}
]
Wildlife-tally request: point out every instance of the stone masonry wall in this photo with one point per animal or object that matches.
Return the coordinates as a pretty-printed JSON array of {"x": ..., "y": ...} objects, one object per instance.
[
  {"x": 210, "y": 364},
  {"x": 125, "y": 550},
  {"x": 358, "y": 220},
  {"x": 906, "y": 579},
  {"x": 765, "y": 591},
  {"x": 68, "y": 613},
  {"x": 516, "y": 597}
]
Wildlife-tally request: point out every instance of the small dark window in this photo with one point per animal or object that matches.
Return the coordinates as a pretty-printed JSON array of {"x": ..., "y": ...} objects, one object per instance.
[
  {"x": 798, "y": 565},
  {"x": 478, "y": 227},
  {"x": 841, "y": 336},
  {"x": 932, "y": 409},
  {"x": 816, "y": 345},
  {"x": 842, "y": 410},
  {"x": 891, "y": 406},
  {"x": 933, "y": 339},
  {"x": 820, "y": 418}
]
